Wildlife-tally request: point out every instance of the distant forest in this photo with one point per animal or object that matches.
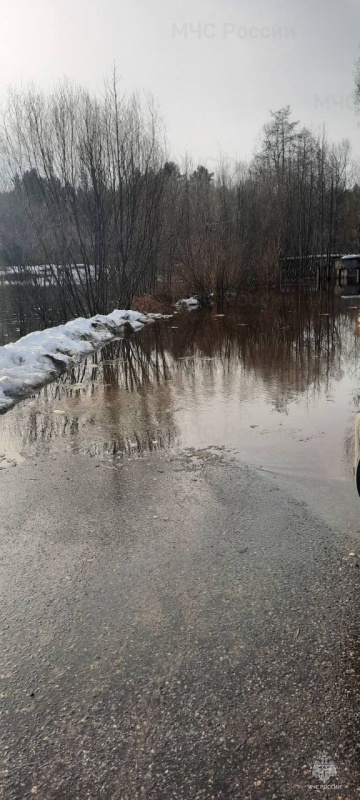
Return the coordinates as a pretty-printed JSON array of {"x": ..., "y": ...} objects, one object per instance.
[{"x": 90, "y": 195}]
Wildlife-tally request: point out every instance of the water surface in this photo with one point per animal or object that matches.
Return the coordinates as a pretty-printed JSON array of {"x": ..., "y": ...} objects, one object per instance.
[{"x": 273, "y": 380}]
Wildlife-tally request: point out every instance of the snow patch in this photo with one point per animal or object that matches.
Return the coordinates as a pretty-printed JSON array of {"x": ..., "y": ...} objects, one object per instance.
[
  {"x": 188, "y": 302},
  {"x": 41, "y": 356}
]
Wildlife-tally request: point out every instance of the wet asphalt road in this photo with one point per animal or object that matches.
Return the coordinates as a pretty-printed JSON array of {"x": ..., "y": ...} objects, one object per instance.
[{"x": 181, "y": 628}]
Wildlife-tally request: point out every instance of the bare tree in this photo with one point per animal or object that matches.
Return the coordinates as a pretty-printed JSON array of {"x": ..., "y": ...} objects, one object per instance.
[{"x": 96, "y": 216}]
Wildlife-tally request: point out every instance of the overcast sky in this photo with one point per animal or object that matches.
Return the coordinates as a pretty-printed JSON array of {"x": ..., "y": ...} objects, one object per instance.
[{"x": 216, "y": 68}]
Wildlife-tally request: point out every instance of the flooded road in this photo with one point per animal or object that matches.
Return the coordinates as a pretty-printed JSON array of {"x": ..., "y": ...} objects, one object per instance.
[
  {"x": 179, "y": 559},
  {"x": 275, "y": 381}
]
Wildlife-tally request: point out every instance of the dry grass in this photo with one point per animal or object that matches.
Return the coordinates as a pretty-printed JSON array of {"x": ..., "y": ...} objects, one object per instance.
[
  {"x": 147, "y": 303},
  {"x": 162, "y": 300}
]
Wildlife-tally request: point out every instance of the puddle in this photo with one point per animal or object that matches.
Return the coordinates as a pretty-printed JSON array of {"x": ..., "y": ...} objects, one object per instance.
[{"x": 275, "y": 381}]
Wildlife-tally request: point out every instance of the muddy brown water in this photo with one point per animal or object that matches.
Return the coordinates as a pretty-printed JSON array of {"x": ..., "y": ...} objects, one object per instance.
[{"x": 273, "y": 380}]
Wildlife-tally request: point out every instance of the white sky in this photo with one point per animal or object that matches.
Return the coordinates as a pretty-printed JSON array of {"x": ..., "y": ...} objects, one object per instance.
[{"x": 216, "y": 83}]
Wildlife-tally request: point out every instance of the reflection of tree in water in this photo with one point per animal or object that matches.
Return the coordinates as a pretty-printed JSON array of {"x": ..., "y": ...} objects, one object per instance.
[
  {"x": 288, "y": 343},
  {"x": 118, "y": 401},
  {"x": 121, "y": 400}
]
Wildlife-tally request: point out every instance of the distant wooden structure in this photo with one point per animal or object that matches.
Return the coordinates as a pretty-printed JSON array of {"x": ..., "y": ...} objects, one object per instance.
[
  {"x": 311, "y": 269},
  {"x": 348, "y": 267}
]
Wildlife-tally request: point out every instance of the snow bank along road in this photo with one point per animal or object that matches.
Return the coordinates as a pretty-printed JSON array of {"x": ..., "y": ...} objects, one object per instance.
[{"x": 41, "y": 356}]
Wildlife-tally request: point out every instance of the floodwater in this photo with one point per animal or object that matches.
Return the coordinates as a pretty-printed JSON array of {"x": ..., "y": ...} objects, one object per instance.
[{"x": 275, "y": 381}]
